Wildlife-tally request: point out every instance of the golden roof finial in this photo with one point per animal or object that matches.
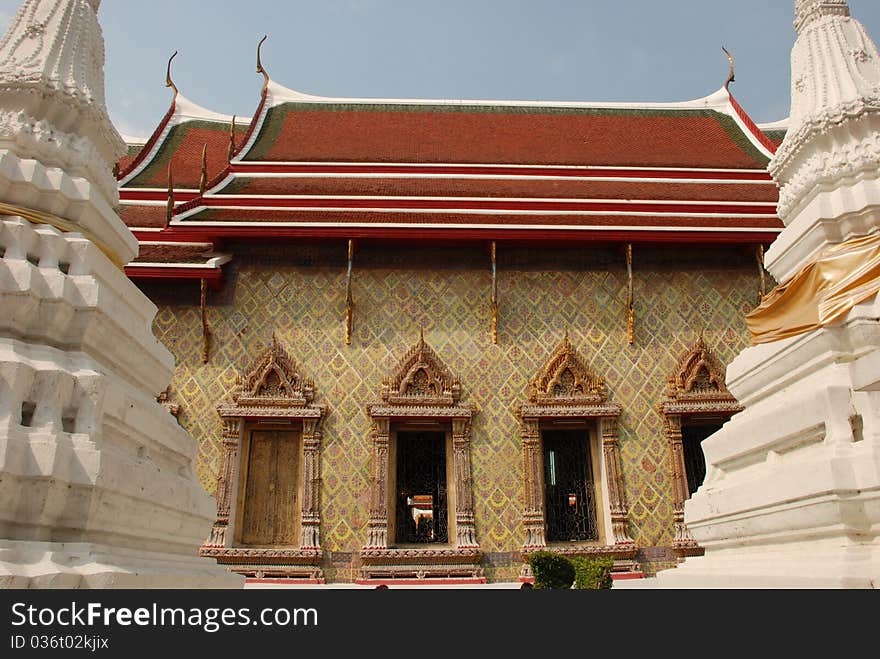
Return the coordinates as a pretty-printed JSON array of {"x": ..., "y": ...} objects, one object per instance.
[
  {"x": 203, "y": 180},
  {"x": 421, "y": 336},
  {"x": 168, "y": 81},
  {"x": 260, "y": 68},
  {"x": 169, "y": 206},
  {"x": 231, "y": 151},
  {"x": 730, "y": 77}
]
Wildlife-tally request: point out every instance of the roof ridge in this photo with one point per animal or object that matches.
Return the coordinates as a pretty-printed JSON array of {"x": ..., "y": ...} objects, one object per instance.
[{"x": 279, "y": 94}]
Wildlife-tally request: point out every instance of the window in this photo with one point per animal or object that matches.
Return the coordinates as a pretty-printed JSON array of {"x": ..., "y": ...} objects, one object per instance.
[
  {"x": 422, "y": 513},
  {"x": 421, "y": 500},
  {"x": 697, "y": 404},
  {"x": 569, "y": 488},
  {"x": 574, "y": 502},
  {"x": 692, "y": 436},
  {"x": 268, "y": 511}
]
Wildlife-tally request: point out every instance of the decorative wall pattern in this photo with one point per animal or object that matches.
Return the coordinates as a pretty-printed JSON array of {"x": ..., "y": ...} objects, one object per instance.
[{"x": 300, "y": 293}]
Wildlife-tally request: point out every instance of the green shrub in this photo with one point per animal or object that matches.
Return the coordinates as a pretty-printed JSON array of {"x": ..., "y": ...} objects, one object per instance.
[
  {"x": 551, "y": 570},
  {"x": 592, "y": 573}
]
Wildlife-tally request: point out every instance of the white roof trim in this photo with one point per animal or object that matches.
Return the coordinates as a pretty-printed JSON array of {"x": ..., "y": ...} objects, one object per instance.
[
  {"x": 531, "y": 200},
  {"x": 782, "y": 124},
  {"x": 187, "y": 110},
  {"x": 449, "y": 211},
  {"x": 215, "y": 261},
  {"x": 535, "y": 227},
  {"x": 278, "y": 94}
]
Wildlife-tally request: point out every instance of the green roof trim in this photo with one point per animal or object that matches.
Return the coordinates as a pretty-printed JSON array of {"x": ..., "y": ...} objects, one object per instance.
[
  {"x": 274, "y": 121},
  {"x": 777, "y": 134},
  {"x": 235, "y": 186}
]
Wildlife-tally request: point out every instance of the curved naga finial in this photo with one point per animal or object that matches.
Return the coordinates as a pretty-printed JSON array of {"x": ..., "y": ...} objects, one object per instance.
[
  {"x": 168, "y": 81},
  {"x": 730, "y": 77},
  {"x": 260, "y": 68}
]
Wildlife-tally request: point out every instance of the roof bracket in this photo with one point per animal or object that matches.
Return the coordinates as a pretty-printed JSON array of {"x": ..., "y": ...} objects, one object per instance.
[
  {"x": 630, "y": 316},
  {"x": 349, "y": 302},
  {"x": 494, "y": 296},
  {"x": 759, "y": 255},
  {"x": 206, "y": 331},
  {"x": 169, "y": 205}
]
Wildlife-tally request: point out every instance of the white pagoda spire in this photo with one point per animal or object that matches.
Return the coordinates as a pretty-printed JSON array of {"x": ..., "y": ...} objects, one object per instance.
[
  {"x": 96, "y": 481},
  {"x": 835, "y": 103},
  {"x": 791, "y": 493},
  {"x": 54, "y": 123}
]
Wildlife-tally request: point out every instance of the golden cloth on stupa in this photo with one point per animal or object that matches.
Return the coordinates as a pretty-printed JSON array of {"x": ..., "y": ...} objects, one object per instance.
[{"x": 824, "y": 290}]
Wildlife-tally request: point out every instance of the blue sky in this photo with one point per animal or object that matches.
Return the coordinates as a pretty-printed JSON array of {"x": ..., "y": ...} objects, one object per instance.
[{"x": 563, "y": 50}]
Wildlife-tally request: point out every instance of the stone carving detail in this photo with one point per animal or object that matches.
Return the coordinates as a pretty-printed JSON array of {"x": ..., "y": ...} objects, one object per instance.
[
  {"x": 40, "y": 139},
  {"x": 55, "y": 48},
  {"x": 273, "y": 381},
  {"x": 565, "y": 388},
  {"x": 421, "y": 387},
  {"x": 696, "y": 387},
  {"x": 566, "y": 380},
  {"x": 421, "y": 379},
  {"x": 272, "y": 388},
  {"x": 807, "y": 11},
  {"x": 835, "y": 90},
  {"x": 164, "y": 399}
]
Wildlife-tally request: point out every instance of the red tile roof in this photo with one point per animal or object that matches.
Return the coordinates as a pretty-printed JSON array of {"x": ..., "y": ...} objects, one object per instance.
[
  {"x": 503, "y": 134},
  {"x": 183, "y": 148},
  {"x": 490, "y": 188},
  {"x": 174, "y": 253},
  {"x": 325, "y": 167},
  {"x": 142, "y": 216}
]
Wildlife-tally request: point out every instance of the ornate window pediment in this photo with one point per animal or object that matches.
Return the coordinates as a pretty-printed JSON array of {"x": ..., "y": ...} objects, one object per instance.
[
  {"x": 566, "y": 386},
  {"x": 566, "y": 390},
  {"x": 566, "y": 380},
  {"x": 421, "y": 390},
  {"x": 421, "y": 378},
  {"x": 698, "y": 385},
  {"x": 272, "y": 381}
]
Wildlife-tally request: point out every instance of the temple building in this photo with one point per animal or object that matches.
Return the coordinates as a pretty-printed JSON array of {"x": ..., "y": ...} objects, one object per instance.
[{"x": 420, "y": 339}]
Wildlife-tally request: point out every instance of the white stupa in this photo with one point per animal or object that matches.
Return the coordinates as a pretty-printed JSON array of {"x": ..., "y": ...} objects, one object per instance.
[
  {"x": 792, "y": 491},
  {"x": 96, "y": 481}
]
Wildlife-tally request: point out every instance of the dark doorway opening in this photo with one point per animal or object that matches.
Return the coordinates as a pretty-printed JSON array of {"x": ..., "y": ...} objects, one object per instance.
[
  {"x": 422, "y": 515},
  {"x": 692, "y": 435},
  {"x": 570, "y": 500}
]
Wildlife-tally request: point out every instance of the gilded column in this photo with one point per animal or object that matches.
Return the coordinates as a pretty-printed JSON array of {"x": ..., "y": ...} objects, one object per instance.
[
  {"x": 311, "y": 516},
  {"x": 225, "y": 481},
  {"x": 533, "y": 511},
  {"x": 616, "y": 495},
  {"x": 682, "y": 539},
  {"x": 378, "y": 524},
  {"x": 464, "y": 508}
]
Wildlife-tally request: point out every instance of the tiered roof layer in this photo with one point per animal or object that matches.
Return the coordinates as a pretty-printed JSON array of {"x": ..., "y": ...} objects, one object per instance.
[{"x": 321, "y": 168}]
